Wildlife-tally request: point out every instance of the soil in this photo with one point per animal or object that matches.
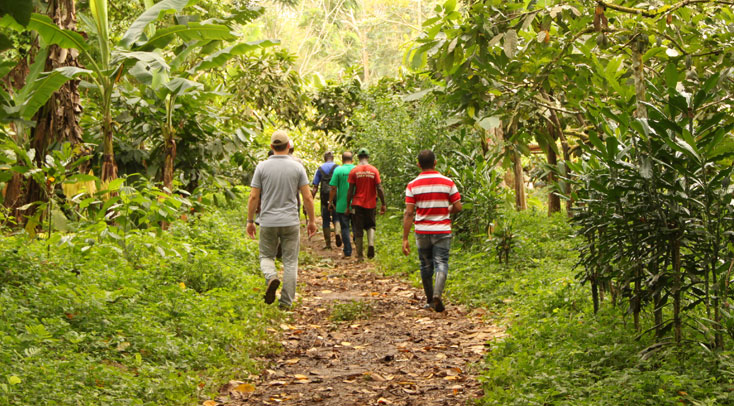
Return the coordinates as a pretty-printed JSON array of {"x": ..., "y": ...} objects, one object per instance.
[{"x": 357, "y": 337}]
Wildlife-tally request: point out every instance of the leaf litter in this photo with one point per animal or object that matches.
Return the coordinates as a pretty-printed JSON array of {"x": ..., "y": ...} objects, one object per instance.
[{"x": 399, "y": 354}]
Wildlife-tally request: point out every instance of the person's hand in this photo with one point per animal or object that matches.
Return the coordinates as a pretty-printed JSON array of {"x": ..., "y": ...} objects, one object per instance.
[
  {"x": 383, "y": 209},
  {"x": 331, "y": 206},
  {"x": 406, "y": 247},
  {"x": 348, "y": 211},
  {"x": 311, "y": 228},
  {"x": 251, "y": 230}
]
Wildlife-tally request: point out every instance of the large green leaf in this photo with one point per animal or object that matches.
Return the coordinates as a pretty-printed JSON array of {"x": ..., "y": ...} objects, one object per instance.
[
  {"x": 179, "y": 86},
  {"x": 189, "y": 32},
  {"x": 101, "y": 21},
  {"x": 220, "y": 58},
  {"x": 45, "y": 86},
  {"x": 20, "y": 10},
  {"x": 137, "y": 28},
  {"x": 152, "y": 60},
  {"x": 49, "y": 32}
]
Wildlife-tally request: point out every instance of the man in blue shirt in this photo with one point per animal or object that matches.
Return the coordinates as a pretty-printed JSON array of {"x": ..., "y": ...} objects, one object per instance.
[{"x": 321, "y": 180}]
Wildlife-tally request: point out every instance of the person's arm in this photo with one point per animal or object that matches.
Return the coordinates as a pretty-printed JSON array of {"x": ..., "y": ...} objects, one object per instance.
[
  {"x": 455, "y": 207},
  {"x": 308, "y": 207},
  {"x": 332, "y": 196},
  {"x": 381, "y": 195},
  {"x": 408, "y": 217},
  {"x": 350, "y": 194},
  {"x": 315, "y": 183},
  {"x": 252, "y": 204}
]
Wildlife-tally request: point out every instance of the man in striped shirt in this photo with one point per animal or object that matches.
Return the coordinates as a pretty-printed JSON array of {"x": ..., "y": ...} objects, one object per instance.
[{"x": 430, "y": 199}]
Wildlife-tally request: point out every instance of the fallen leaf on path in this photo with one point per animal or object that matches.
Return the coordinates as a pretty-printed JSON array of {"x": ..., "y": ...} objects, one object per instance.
[
  {"x": 300, "y": 377},
  {"x": 245, "y": 388},
  {"x": 209, "y": 403},
  {"x": 384, "y": 401},
  {"x": 292, "y": 361},
  {"x": 346, "y": 343}
]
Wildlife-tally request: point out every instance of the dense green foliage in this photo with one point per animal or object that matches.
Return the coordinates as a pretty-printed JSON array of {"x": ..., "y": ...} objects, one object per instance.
[
  {"x": 396, "y": 128},
  {"x": 557, "y": 351},
  {"x": 163, "y": 322}
]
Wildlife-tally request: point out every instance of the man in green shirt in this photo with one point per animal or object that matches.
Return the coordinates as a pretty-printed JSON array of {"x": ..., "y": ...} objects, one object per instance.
[{"x": 338, "y": 199}]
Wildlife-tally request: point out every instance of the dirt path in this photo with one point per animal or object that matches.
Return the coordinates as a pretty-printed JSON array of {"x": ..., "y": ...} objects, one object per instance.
[{"x": 395, "y": 354}]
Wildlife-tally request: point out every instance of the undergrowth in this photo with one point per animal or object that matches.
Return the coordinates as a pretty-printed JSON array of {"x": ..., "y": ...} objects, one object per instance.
[
  {"x": 163, "y": 323},
  {"x": 558, "y": 352}
]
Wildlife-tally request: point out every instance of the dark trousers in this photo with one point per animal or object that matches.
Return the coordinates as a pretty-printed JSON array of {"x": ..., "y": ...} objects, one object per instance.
[{"x": 364, "y": 219}]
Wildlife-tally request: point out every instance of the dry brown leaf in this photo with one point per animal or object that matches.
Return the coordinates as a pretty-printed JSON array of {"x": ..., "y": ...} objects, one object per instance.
[
  {"x": 346, "y": 343},
  {"x": 384, "y": 401},
  {"x": 300, "y": 376},
  {"x": 292, "y": 361},
  {"x": 440, "y": 355},
  {"x": 209, "y": 403},
  {"x": 245, "y": 388}
]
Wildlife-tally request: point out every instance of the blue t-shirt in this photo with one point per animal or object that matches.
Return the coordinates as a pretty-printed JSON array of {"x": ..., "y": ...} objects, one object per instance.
[{"x": 327, "y": 168}]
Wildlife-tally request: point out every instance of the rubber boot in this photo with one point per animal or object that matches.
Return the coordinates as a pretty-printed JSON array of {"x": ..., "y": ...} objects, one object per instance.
[
  {"x": 438, "y": 291},
  {"x": 327, "y": 238},
  {"x": 371, "y": 243},
  {"x": 338, "y": 233},
  {"x": 358, "y": 245},
  {"x": 428, "y": 289}
]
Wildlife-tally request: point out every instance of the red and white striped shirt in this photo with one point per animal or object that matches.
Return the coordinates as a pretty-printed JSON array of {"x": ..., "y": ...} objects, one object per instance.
[{"x": 432, "y": 194}]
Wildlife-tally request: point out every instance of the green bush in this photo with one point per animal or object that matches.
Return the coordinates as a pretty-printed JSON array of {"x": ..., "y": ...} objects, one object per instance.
[
  {"x": 164, "y": 325},
  {"x": 557, "y": 352}
]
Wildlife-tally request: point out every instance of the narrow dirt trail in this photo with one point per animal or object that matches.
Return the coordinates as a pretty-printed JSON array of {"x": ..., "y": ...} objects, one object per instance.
[{"x": 396, "y": 354}]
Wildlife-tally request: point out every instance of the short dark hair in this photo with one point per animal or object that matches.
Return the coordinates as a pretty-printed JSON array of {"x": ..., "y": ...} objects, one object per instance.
[
  {"x": 281, "y": 147},
  {"x": 328, "y": 155},
  {"x": 347, "y": 156},
  {"x": 427, "y": 159}
]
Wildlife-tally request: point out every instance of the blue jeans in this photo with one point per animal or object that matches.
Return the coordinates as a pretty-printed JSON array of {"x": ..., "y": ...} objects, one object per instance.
[
  {"x": 345, "y": 221},
  {"x": 327, "y": 217},
  {"x": 433, "y": 252}
]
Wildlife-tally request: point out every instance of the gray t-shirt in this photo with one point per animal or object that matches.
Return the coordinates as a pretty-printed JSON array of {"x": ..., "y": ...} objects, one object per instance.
[{"x": 279, "y": 179}]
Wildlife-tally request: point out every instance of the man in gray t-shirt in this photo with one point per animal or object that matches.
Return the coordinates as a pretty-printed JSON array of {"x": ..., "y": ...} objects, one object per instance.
[{"x": 275, "y": 186}]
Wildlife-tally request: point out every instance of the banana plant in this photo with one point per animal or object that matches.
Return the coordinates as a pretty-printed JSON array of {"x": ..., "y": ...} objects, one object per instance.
[
  {"x": 108, "y": 62},
  {"x": 20, "y": 107}
]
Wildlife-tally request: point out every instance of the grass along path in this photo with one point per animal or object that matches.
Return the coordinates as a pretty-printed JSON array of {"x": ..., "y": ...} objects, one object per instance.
[{"x": 358, "y": 337}]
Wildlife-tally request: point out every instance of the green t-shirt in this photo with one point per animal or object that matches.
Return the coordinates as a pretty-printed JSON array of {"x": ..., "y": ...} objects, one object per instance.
[{"x": 340, "y": 179}]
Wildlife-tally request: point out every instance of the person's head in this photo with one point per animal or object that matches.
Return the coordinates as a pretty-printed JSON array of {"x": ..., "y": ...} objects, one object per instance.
[
  {"x": 328, "y": 156},
  {"x": 291, "y": 147},
  {"x": 279, "y": 141},
  {"x": 363, "y": 154},
  {"x": 346, "y": 157},
  {"x": 426, "y": 159}
]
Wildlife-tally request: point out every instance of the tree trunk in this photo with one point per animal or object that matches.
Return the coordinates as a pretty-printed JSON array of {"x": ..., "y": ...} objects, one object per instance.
[
  {"x": 58, "y": 120},
  {"x": 520, "y": 201},
  {"x": 554, "y": 202},
  {"x": 677, "y": 281},
  {"x": 170, "y": 157},
  {"x": 109, "y": 167}
]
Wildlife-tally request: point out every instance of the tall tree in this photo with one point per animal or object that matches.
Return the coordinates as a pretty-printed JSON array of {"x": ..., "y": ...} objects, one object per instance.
[{"x": 58, "y": 120}]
